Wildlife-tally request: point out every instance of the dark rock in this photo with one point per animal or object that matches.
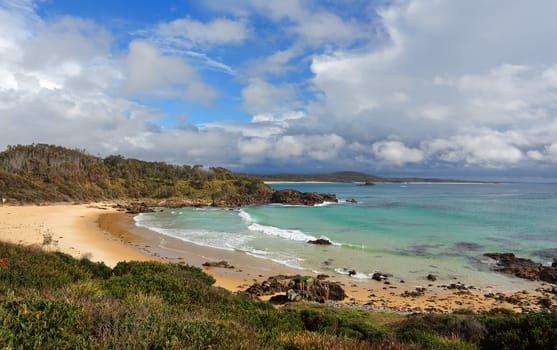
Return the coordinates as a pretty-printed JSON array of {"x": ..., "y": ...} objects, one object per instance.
[
  {"x": 137, "y": 208},
  {"x": 457, "y": 286},
  {"x": 508, "y": 263},
  {"x": 367, "y": 183},
  {"x": 294, "y": 197},
  {"x": 414, "y": 293},
  {"x": 279, "y": 299},
  {"x": 296, "y": 288},
  {"x": 322, "y": 277},
  {"x": 273, "y": 285},
  {"x": 320, "y": 241},
  {"x": 223, "y": 264},
  {"x": 312, "y": 289},
  {"x": 431, "y": 277},
  {"x": 554, "y": 263},
  {"x": 378, "y": 276},
  {"x": 351, "y": 200},
  {"x": 546, "y": 302},
  {"x": 352, "y": 273}
]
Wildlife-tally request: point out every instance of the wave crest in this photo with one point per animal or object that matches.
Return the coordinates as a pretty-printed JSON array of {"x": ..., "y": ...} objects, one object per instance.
[{"x": 293, "y": 235}]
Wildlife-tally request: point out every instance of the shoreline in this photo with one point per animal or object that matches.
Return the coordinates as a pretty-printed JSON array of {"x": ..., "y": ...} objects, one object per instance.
[{"x": 101, "y": 233}]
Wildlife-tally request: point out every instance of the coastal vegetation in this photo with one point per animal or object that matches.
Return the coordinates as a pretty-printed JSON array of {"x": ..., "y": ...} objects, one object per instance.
[
  {"x": 48, "y": 173},
  {"x": 49, "y": 300}
]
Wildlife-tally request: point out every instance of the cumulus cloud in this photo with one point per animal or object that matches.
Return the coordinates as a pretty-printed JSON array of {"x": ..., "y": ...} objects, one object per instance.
[
  {"x": 431, "y": 84},
  {"x": 149, "y": 72},
  {"x": 396, "y": 152},
  {"x": 307, "y": 21},
  {"x": 262, "y": 97},
  {"x": 449, "y": 79}
]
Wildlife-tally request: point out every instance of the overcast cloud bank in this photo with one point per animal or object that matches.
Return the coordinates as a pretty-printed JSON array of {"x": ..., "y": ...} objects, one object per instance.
[{"x": 408, "y": 86}]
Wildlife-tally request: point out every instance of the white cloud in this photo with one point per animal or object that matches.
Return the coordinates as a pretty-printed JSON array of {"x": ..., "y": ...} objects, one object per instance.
[
  {"x": 310, "y": 22},
  {"x": 149, "y": 72},
  {"x": 444, "y": 83},
  {"x": 396, "y": 152},
  {"x": 488, "y": 150},
  {"x": 453, "y": 78},
  {"x": 275, "y": 64},
  {"x": 191, "y": 32},
  {"x": 325, "y": 27},
  {"x": 297, "y": 148},
  {"x": 260, "y": 97}
]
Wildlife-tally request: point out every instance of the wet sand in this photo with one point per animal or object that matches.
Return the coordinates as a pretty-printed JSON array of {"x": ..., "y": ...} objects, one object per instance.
[{"x": 101, "y": 233}]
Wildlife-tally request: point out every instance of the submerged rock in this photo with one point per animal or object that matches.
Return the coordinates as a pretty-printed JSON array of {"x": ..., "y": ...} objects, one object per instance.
[
  {"x": 320, "y": 241},
  {"x": 524, "y": 268}
]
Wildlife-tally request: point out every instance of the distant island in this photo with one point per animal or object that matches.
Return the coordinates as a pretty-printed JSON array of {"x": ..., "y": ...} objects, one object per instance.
[{"x": 353, "y": 177}]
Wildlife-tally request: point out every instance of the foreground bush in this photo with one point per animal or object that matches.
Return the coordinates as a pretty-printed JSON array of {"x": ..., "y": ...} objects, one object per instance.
[{"x": 53, "y": 301}]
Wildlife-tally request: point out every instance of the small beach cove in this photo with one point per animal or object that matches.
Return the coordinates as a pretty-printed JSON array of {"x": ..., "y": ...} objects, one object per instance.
[{"x": 118, "y": 238}]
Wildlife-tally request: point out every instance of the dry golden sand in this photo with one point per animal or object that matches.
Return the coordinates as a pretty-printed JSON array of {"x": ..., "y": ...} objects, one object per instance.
[
  {"x": 72, "y": 229},
  {"x": 101, "y": 233}
]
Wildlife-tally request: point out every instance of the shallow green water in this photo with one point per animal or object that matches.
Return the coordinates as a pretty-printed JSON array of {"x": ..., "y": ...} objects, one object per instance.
[{"x": 407, "y": 230}]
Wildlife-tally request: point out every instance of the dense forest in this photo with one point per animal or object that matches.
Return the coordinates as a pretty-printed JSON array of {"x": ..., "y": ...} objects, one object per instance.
[{"x": 40, "y": 172}]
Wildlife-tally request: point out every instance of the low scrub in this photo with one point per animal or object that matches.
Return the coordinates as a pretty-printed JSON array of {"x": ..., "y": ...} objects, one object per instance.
[{"x": 53, "y": 301}]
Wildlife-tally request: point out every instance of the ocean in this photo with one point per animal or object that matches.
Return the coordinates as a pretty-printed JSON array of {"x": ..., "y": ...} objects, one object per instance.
[{"x": 405, "y": 230}]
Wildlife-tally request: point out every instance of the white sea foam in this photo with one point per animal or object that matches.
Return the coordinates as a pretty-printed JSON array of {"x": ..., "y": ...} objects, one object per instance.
[
  {"x": 246, "y": 218},
  {"x": 293, "y": 235},
  {"x": 358, "y": 275},
  {"x": 325, "y": 204},
  {"x": 285, "y": 262}
]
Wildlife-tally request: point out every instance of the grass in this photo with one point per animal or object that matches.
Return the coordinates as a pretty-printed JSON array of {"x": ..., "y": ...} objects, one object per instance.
[{"x": 53, "y": 301}]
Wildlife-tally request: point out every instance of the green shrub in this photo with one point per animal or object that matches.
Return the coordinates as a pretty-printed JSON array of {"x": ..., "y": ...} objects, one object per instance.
[
  {"x": 348, "y": 323},
  {"x": 174, "y": 283},
  {"x": 33, "y": 323},
  {"x": 531, "y": 331},
  {"x": 431, "y": 332},
  {"x": 36, "y": 269}
]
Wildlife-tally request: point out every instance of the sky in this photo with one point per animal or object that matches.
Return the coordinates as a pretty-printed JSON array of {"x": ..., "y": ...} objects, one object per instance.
[{"x": 438, "y": 88}]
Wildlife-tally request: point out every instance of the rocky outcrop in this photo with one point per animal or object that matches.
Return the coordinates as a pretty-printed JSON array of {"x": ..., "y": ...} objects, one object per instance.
[
  {"x": 297, "y": 288},
  {"x": 294, "y": 197},
  {"x": 313, "y": 289},
  {"x": 524, "y": 268},
  {"x": 222, "y": 264},
  {"x": 273, "y": 285},
  {"x": 135, "y": 207},
  {"x": 320, "y": 241}
]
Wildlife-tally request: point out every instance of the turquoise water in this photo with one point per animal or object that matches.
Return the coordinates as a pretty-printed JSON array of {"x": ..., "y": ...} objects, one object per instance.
[{"x": 407, "y": 230}]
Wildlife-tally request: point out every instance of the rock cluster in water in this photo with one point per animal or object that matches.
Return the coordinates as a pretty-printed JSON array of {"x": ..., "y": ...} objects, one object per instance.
[
  {"x": 294, "y": 197},
  {"x": 320, "y": 241},
  {"x": 524, "y": 268}
]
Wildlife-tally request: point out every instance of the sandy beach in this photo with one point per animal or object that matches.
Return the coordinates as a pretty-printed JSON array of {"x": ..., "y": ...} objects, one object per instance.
[{"x": 101, "y": 233}]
